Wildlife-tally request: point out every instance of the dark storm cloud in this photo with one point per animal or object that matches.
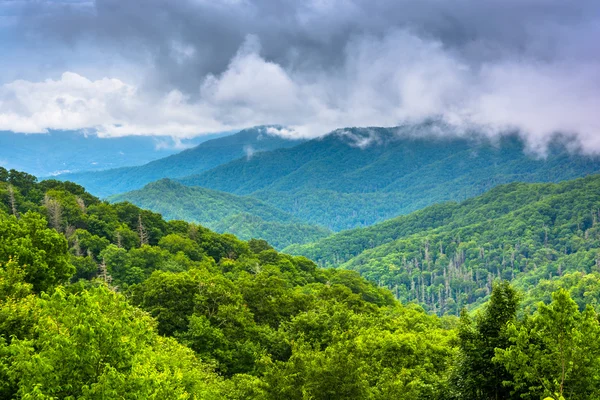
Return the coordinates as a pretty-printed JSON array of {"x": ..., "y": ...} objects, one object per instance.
[
  {"x": 187, "y": 39},
  {"x": 315, "y": 65}
]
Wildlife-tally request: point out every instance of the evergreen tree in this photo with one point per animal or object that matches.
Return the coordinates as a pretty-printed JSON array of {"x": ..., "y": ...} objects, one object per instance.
[{"x": 477, "y": 376}]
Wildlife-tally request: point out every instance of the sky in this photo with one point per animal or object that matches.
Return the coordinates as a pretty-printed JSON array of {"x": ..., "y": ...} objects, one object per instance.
[{"x": 188, "y": 67}]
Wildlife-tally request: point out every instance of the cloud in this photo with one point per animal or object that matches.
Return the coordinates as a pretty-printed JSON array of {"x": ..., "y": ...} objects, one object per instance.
[
  {"x": 249, "y": 151},
  {"x": 203, "y": 66},
  {"x": 111, "y": 106}
]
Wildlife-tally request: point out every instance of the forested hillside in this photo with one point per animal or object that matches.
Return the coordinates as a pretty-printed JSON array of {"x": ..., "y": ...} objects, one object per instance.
[
  {"x": 447, "y": 256},
  {"x": 205, "y": 156},
  {"x": 360, "y": 176},
  {"x": 102, "y": 300},
  {"x": 245, "y": 217}
]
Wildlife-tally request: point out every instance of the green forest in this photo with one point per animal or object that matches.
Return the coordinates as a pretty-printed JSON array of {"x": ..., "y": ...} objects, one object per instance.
[
  {"x": 110, "y": 301},
  {"x": 245, "y": 217},
  {"x": 447, "y": 256},
  {"x": 355, "y": 177}
]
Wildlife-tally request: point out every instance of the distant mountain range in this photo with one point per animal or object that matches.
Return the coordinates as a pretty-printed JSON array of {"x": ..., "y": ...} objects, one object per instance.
[
  {"x": 58, "y": 152},
  {"x": 350, "y": 178},
  {"x": 209, "y": 154},
  {"x": 359, "y": 176}
]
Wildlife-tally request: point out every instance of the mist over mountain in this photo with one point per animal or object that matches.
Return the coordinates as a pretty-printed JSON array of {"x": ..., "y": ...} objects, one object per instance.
[
  {"x": 56, "y": 152},
  {"x": 193, "y": 67},
  {"x": 358, "y": 176},
  {"x": 211, "y": 153}
]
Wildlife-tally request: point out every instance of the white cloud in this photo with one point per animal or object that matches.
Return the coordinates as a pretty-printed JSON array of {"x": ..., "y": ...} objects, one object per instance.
[
  {"x": 249, "y": 151},
  {"x": 384, "y": 81},
  {"x": 111, "y": 106}
]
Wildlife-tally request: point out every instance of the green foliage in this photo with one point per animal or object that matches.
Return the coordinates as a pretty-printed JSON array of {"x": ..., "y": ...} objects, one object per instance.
[
  {"x": 362, "y": 356},
  {"x": 252, "y": 314},
  {"x": 583, "y": 288},
  {"x": 555, "y": 353},
  {"x": 242, "y": 216},
  {"x": 279, "y": 234},
  {"x": 446, "y": 257},
  {"x": 102, "y": 300},
  {"x": 343, "y": 246},
  {"x": 476, "y": 375},
  {"x": 94, "y": 345},
  {"x": 41, "y": 251}
]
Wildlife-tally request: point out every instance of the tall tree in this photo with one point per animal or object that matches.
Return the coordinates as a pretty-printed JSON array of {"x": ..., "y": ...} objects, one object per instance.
[
  {"x": 142, "y": 233},
  {"x": 556, "y": 353},
  {"x": 13, "y": 202},
  {"x": 476, "y": 376}
]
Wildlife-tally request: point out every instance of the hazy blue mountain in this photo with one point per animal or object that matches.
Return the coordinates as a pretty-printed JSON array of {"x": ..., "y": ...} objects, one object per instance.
[
  {"x": 245, "y": 144},
  {"x": 245, "y": 217},
  {"x": 359, "y": 176},
  {"x": 73, "y": 151}
]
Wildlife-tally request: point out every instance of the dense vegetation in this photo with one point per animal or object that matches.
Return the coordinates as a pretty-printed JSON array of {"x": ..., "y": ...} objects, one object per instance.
[
  {"x": 103, "y": 300},
  {"x": 357, "y": 177},
  {"x": 245, "y": 217},
  {"x": 447, "y": 256},
  {"x": 207, "y": 155}
]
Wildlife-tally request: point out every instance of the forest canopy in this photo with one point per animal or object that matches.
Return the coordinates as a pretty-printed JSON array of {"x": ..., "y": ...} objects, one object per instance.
[{"x": 102, "y": 300}]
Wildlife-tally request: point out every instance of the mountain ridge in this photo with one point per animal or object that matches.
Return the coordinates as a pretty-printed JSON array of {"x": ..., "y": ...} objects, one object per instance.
[
  {"x": 245, "y": 143},
  {"x": 335, "y": 182}
]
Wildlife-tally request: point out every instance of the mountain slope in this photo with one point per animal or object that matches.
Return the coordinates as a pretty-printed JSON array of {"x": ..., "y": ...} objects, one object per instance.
[
  {"x": 76, "y": 151},
  {"x": 247, "y": 226},
  {"x": 343, "y": 246},
  {"x": 245, "y": 217},
  {"x": 446, "y": 256},
  {"x": 192, "y": 161},
  {"x": 360, "y": 176}
]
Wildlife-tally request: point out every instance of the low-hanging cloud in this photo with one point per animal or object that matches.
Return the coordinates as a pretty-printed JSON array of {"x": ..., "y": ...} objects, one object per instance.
[{"x": 205, "y": 66}]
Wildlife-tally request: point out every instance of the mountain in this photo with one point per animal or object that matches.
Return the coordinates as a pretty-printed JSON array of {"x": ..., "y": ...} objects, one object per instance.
[
  {"x": 447, "y": 256},
  {"x": 75, "y": 151},
  {"x": 245, "y": 217},
  {"x": 359, "y": 176},
  {"x": 244, "y": 144}
]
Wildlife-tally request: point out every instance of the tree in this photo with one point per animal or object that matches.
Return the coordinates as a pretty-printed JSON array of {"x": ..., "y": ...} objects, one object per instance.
[
  {"x": 54, "y": 209},
  {"x": 176, "y": 243},
  {"x": 142, "y": 233},
  {"x": 22, "y": 180},
  {"x": 92, "y": 344},
  {"x": 476, "y": 375},
  {"x": 258, "y": 245},
  {"x": 168, "y": 297},
  {"x": 556, "y": 353},
  {"x": 43, "y": 251},
  {"x": 13, "y": 202}
]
